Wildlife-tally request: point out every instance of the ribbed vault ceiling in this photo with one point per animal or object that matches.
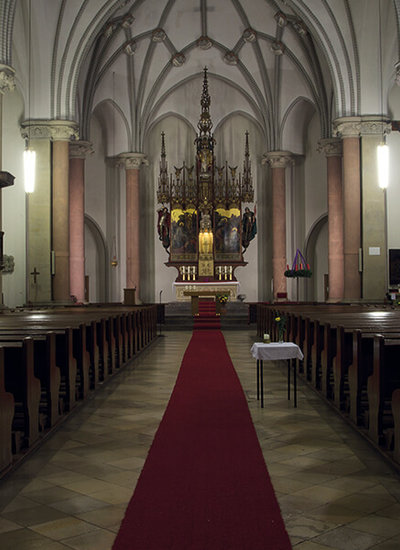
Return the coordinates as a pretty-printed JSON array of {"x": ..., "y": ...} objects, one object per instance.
[{"x": 140, "y": 60}]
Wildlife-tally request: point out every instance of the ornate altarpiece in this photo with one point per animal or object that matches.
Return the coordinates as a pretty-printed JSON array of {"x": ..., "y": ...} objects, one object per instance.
[{"x": 201, "y": 223}]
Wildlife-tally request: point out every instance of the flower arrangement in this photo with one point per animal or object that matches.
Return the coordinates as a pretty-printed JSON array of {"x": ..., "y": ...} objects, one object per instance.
[
  {"x": 222, "y": 299},
  {"x": 300, "y": 268},
  {"x": 281, "y": 322}
]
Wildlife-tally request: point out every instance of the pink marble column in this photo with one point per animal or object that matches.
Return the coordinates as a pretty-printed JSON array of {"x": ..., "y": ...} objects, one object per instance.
[
  {"x": 132, "y": 162},
  {"x": 352, "y": 217},
  {"x": 60, "y": 225},
  {"x": 349, "y": 129},
  {"x": 279, "y": 160},
  {"x": 78, "y": 150},
  {"x": 333, "y": 151}
]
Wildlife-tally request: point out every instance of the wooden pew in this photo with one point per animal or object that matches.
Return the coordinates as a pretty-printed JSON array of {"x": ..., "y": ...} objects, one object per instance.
[
  {"x": 21, "y": 382},
  {"x": 82, "y": 359},
  {"x": 104, "y": 359},
  {"x": 6, "y": 418},
  {"x": 66, "y": 355},
  {"x": 396, "y": 420},
  {"x": 94, "y": 354},
  {"x": 381, "y": 383},
  {"x": 49, "y": 375},
  {"x": 68, "y": 365},
  {"x": 46, "y": 371}
]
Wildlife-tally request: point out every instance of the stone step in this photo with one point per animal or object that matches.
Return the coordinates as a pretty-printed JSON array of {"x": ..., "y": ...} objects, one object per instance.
[{"x": 178, "y": 316}]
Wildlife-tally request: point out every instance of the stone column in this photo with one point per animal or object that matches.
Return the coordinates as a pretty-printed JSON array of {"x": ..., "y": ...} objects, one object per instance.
[
  {"x": 7, "y": 84},
  {"x": 374, "y": 243},
  {"x": 348, "y": 128},
  {"x": 132, "y": 163},
  {"x": 78, "y": 150},
  {"x": 48, "y": 211},
  {"x": 278, "y": 161},
  {"x": 333, "y": 150}
]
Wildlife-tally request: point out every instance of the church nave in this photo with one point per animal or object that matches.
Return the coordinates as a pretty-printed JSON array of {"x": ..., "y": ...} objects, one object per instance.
[{"x": 334, "y": 490}]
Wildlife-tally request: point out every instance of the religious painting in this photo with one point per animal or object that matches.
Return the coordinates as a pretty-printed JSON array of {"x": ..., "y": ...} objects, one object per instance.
[
  {"x": 227, "y": 234},
  {"x": 394, "y": 266},
  {"x": 183, "y": 235}
]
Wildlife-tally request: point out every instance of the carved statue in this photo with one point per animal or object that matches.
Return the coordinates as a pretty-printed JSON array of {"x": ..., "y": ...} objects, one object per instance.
[
  {"x": 163, "y": 226},
  {"x": 206, "y": 237}
]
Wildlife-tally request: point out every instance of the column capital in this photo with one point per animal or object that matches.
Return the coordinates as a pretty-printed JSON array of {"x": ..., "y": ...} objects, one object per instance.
[
  {"x": 347, "y": 126},
  {"x": 132, "y": 160},
  {"x": 56, "y": 130},
  {"x": 7, "y": 79},
  {"x": 278, "y": 159},
  {"x": 332, "y": 147},
  {"x": 375, "y": 125},
  {"x": 80, "y": 149}
]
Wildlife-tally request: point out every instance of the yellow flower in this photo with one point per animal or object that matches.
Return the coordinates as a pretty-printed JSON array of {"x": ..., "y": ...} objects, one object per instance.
[{"x": 277, "y": 319}]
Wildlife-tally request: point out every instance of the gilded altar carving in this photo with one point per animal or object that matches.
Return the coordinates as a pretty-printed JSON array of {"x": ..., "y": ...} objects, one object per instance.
[{"x": 206, "y": 235}]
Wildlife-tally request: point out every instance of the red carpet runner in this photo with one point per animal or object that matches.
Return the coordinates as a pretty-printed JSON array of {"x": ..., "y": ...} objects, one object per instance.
[
  {"x": 204, "y": 485},
  {"x": 207, "y": 318}
]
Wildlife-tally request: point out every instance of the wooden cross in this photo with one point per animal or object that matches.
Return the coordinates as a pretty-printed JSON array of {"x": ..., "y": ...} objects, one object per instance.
[{"x": 35, "y": 273}]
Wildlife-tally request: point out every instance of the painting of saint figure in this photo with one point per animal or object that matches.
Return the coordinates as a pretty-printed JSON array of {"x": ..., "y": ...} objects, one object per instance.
[
  {"x": 227, "y": 233},
  {"x": 183, "y": 234}
]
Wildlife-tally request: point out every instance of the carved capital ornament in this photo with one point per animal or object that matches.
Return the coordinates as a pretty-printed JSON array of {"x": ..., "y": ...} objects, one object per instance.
[
  {"x": 278, "y": 159},
  {"x": 132, "y": 161},
  {"x": 347, "y": 127},
  {"x": 7, "y": 79},
  {"x": 332, "y": 147},
  {"x": 56, "y": 130},
  {"x": 80, "y": 149},
  {"x": 375, "y": 126}
]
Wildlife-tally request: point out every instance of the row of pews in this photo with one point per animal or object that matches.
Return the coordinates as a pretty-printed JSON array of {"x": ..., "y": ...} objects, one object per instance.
[
  {"x": 52, "y": 359},
  {"x": 352, "y": 358}
]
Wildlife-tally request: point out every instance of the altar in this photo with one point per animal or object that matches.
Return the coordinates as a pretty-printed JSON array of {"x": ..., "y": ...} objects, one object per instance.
[
  {"x": 185, "y": 290},
  {"x": 206, "y": 223}
]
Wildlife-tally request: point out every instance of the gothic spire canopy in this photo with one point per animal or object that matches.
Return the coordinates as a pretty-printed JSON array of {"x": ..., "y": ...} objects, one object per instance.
[{"x": 204, "y": 225}]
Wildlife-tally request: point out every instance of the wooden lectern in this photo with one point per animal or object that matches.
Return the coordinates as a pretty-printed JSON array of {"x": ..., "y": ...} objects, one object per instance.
[{"x": 129, "y": 296}]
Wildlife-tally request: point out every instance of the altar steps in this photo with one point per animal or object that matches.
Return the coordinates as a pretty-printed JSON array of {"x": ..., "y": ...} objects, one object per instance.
[{"x": 178, "y": 316}]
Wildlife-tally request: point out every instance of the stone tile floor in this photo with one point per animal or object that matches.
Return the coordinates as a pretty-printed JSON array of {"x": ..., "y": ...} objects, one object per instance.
[{"x": 335, "y": 491}]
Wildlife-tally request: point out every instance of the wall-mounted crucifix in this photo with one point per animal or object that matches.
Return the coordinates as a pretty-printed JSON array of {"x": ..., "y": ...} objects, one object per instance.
[{"x": 35, "y": 273}]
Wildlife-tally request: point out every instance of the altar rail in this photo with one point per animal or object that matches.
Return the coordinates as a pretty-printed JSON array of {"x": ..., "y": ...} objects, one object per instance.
[
  {"x": 53, "y": 359},
  {"x": 351, "y": 358}
]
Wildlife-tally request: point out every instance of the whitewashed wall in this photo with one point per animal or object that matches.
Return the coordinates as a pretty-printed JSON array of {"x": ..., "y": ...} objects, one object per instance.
[{"x": 13, "y": 200}]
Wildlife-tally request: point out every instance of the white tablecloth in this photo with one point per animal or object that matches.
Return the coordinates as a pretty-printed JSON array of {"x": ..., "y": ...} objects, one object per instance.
[{"x": 276, "y": 351}]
